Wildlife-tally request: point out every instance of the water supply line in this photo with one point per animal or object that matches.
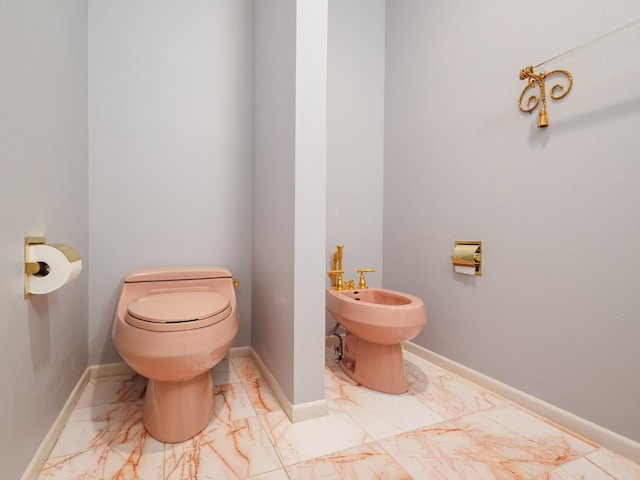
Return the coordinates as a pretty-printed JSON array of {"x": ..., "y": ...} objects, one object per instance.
[{"x": 337, "y": 349}]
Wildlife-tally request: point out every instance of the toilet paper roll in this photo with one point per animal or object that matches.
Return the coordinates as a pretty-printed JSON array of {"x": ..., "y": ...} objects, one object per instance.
[
  {"x": 465, "y": 270},
  {"x": 64, "y": 266}
]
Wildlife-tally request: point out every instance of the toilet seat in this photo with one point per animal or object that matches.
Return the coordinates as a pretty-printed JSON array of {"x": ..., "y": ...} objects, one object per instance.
[{"x": 171, "y": 311}]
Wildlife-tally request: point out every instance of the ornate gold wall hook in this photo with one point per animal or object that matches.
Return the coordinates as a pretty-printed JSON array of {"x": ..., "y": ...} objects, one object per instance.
[{"x": 538, "y": 79}]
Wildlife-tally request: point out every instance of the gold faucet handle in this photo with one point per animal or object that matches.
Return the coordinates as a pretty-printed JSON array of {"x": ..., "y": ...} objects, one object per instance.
[{"x": 362, "y": 283}]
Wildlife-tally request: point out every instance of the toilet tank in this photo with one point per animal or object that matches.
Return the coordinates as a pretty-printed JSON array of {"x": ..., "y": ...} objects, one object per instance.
[{"x": 162, "y": 274}]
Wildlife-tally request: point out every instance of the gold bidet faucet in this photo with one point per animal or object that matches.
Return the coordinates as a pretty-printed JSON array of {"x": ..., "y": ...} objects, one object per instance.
[{"x": 336, "y": 273}]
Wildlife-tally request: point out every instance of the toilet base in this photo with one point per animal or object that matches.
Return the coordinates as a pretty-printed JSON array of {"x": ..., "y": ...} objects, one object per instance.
[
  {"x": 375, "y": 366},
  {"x": 177, "y": 411}
]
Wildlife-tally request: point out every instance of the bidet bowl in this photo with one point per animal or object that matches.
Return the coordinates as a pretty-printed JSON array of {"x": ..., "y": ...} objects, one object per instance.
[{"x": 377, "y": 315}]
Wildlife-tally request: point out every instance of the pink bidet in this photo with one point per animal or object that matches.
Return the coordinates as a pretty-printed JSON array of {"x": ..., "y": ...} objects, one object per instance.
[{"x": 377, "y": 321}]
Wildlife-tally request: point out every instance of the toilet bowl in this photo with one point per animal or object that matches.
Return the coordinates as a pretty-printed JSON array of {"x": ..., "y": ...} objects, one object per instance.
[
  {"x": 377, "y": 321},
  {"x": 172, "y": 326}
]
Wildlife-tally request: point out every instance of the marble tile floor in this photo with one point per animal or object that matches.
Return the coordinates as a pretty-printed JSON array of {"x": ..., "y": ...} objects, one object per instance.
[{"x": 444, "y": 428}]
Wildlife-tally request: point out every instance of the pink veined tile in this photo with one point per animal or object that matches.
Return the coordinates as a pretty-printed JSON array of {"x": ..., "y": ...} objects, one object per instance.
[
  {"x": 231, "y": 402},
  {"x": 300, "y": 441},
  {"x": 261, "y": 396},
  {"x": 578, "y": 469},
  {"x": 338, "y": 385},
  {"x": 444, "y": 451},
  {"x": 364, "y": 462},
  {"x": 485, "y": 439},
  {"x": 247, "y": 370},
  {"x": 617, "y": 466},
  {"x": 142, "y": 460},
  {"x": 453, "y": 397},
  {"x": 101, "y": 426},
  {"x": 223, "y": 373},
  {"x": 418, "y": 369},
  {"x": 382, "y": 415},
  {"x": 239, "y": 449},
  {"x": 534, "y": 445},
  {"x": 113, "y": 389}
]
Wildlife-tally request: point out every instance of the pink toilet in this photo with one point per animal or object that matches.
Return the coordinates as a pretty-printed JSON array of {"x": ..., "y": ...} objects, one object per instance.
[{"x": 172, "y": 326}]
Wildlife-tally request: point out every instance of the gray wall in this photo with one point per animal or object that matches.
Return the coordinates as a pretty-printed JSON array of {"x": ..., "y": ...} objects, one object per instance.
[
  {"x": 355, "y": 136},
  {"x": 43, "y": 192},
  {"x": 170, "y": 108},
  {"x": 555, "y": 313},
  {"x": 274, "y": 187}
]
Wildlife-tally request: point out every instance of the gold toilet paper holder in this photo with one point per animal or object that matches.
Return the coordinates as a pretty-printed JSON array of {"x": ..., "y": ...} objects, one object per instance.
[
  {"x": 468, "y": 253},
  {"x": 42, "y": 269}
]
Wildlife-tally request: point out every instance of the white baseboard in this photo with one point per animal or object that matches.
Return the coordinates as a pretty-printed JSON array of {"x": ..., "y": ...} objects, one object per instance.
[
  {"x": 589, "y": 430},
  {"x": 235, "y": 352},
  {"x": 46, "y": 446},
  {"x": 295, "y": 412}
]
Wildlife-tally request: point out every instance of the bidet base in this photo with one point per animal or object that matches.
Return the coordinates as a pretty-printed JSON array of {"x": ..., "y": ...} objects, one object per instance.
[
  {"x": 177, "y": 411},
  {"x": 375, "y": 366}
]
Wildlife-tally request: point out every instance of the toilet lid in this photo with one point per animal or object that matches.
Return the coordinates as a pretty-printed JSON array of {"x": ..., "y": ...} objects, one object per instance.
[{"x": 173, "y": 311}]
